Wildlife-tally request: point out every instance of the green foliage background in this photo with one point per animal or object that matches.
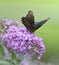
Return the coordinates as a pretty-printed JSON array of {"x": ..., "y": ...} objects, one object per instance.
[{"x": 15, "y": 9}]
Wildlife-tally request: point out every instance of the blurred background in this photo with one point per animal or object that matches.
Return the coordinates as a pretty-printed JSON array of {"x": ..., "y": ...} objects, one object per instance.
[{"x": 15, "y": 9}]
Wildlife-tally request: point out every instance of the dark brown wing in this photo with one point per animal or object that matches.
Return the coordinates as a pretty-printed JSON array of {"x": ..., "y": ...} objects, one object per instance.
[
  {"x": 30, "y": 17},
  {"x": 28, "y": 25}
]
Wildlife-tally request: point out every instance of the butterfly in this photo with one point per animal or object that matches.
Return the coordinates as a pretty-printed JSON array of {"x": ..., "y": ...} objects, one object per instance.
[{"x": 30, "y": 23}]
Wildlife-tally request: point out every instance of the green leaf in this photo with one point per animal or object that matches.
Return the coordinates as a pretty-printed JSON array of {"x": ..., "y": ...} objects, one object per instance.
[
  {"x": 1, "y": 50},
  {"x": 11, "y": 62},
  {"x": 1, "y": 28},
  {"x": 4, "y": 62},
  {"x": 34, "y": 57},
  {"x": 21, "y": 57},
  {"x": 13, "y": 56}
]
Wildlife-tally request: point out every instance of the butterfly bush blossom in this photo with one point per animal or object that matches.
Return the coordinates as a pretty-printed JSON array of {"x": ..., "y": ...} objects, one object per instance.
[
  {"x": 6, "y": 22},
  {"x": 21, "y": 41}
]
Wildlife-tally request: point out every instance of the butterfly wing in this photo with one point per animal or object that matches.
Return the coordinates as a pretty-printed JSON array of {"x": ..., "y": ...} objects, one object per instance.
[{"x": 27, "y": 24}]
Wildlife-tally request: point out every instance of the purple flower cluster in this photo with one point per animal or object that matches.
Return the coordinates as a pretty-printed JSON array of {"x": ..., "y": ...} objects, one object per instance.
[
  {"x": 6, "y": 22},
  {"x": 21, "y": 41}
]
